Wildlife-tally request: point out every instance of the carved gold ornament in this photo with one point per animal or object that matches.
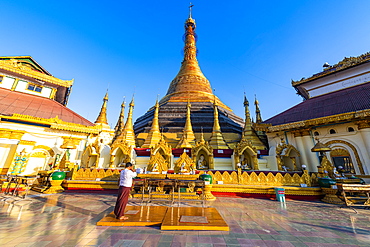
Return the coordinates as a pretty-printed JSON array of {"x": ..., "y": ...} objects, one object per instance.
[
  {"x": 350, "y": 116},
  {"x": 344, "y": 64},
  {"x": 57, "y": 123},
  {"x": 15, "y": 66}
]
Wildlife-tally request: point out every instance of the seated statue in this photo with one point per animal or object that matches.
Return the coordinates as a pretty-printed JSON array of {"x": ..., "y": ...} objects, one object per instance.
[
  {"x": 183, "y": 168},
  {"x": 245, "y": 167},
  {"x": 244, "y": 162},
  {"x": 202, "y": 163}
]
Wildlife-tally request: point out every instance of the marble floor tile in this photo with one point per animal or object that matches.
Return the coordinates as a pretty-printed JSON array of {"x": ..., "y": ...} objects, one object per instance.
[{"x": 69, "y": 219}]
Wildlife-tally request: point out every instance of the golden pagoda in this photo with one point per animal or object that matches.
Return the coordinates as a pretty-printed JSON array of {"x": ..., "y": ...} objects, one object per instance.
[{"x": 189, "y": 86}]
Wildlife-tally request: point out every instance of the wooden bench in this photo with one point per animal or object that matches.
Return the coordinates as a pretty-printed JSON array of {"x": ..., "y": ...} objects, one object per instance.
[{"x": 354, "y": 195}]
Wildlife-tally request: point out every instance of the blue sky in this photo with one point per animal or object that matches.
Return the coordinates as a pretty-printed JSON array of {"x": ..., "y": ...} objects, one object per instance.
[{"x": 255, "y": 47}]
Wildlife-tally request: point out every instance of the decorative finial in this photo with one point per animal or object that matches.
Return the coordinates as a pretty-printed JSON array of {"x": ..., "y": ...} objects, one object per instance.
[
  {"x": 106, "y": 95},
  {"x": 255, "y": 100},
  {"x": 246, "y": 102},
  {"x": 102, "y": 117},
  {"x": 258, "y": 112},
  {"x": 190, "y": 9}
]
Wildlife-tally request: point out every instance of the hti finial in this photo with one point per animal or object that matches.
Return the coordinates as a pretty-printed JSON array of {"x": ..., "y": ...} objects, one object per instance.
[{"x": 190, "y": 9}]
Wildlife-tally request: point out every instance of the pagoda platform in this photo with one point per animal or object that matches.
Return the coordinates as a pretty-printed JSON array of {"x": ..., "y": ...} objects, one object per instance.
[{"x": 169, "y": 218}]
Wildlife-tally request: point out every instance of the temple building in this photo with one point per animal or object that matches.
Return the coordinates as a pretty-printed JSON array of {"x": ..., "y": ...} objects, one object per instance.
[
  {"x": 37, "y": 130},
  {"x": 335, "y": 112}
]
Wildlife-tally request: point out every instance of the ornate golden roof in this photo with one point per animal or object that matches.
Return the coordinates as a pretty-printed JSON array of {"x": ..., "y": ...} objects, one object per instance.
[
  {"x": 344, "y": 64},
  {"x": 190, "y": 83},
  {"x": 15, "y": 66}
]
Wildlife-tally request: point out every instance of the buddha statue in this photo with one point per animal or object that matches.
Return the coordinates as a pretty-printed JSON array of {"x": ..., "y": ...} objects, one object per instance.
[
  {"x": 202, "y": 163},
  {"x": 183, "y": 168}
]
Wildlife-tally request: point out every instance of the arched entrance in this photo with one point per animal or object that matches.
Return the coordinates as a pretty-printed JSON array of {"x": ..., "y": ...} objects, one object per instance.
[
  {"x": 288, "y": 157},
  {"x": 89, "y": 157},
  {"x": 349, "y": 152},
  {"x": 246, "y": 155},
  {"x": 342, "y": 159}
]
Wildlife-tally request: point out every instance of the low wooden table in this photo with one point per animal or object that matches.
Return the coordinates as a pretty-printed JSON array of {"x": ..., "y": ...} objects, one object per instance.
[
  {"x": 168, "y": 189},
  {"x": 18, "y": 185},
  {"x": 354, "y": 195}
]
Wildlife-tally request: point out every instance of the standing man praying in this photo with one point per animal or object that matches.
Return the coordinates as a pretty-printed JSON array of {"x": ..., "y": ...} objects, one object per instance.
[{"x": 125, "y": 184}]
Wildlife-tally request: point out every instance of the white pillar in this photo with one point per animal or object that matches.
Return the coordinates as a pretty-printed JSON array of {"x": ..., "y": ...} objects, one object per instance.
[
  {"x": 364, "y": 129},
  {"x": 311, "y": 156},
  {"x": 301, "y": 149}
]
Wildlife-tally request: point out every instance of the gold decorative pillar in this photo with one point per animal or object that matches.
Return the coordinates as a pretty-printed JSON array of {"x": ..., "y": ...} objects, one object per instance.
[
  {"x": 69, "y": 143},
  {"x": 207, "y": 194}
]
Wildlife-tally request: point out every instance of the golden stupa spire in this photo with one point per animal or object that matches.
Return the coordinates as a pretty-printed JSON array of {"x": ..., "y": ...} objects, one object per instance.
[
  {"x": 190, "y": 80},
  {"x": 258, "y": 112},
  {"x": 154, "y": 135},
  {"x": 128, "y": 130},
  {"x": 102, "y": 118},
  {"x": 120, "y": 122},
  {"x": 248, "y": 123},
  {"x": 188, "y": 138},
  {"x": 248, "y": 132},
  {"x": 217, "y": 140}
]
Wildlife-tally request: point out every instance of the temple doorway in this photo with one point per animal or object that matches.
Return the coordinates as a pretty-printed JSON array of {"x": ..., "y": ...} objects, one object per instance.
[{"x": 342, "y": 160}]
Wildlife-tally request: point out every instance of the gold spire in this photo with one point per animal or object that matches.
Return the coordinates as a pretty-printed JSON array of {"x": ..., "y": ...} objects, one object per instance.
[
  {"x": 248, "y": 133},
  {"x": 258, "y": 112},
  {"x": 188, "y": 138},
  {"x": 248, "y": 124},
  {"x": 202, "y": 141},
  {"x": 128, "y": 130},
  {"x": 154, "y": 135},
  {"x": 120, "y": 122},
  {"x": 102, "y": 118},
  {"x": 190, "y": 80},
  {"x": 217, "y": 140}
]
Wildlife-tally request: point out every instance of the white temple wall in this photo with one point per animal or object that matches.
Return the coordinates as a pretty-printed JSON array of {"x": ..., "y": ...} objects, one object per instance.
[
  {"x": 22, "y": 87},
  {"x": 41, "y": 137},
  {"x": 359, "y": 139},
  {"x": 263, "y": 164},
  {"x": 142, "y": 161},
  {"x": 7, "y": 150},
  {"x": 223, "y": 163},
  {"x": 7, "y": 82},
  {"x": 104, "y": 157}
]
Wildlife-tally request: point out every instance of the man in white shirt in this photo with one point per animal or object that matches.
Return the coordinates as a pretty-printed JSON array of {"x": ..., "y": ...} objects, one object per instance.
[{"x": 125, "y": 184}]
